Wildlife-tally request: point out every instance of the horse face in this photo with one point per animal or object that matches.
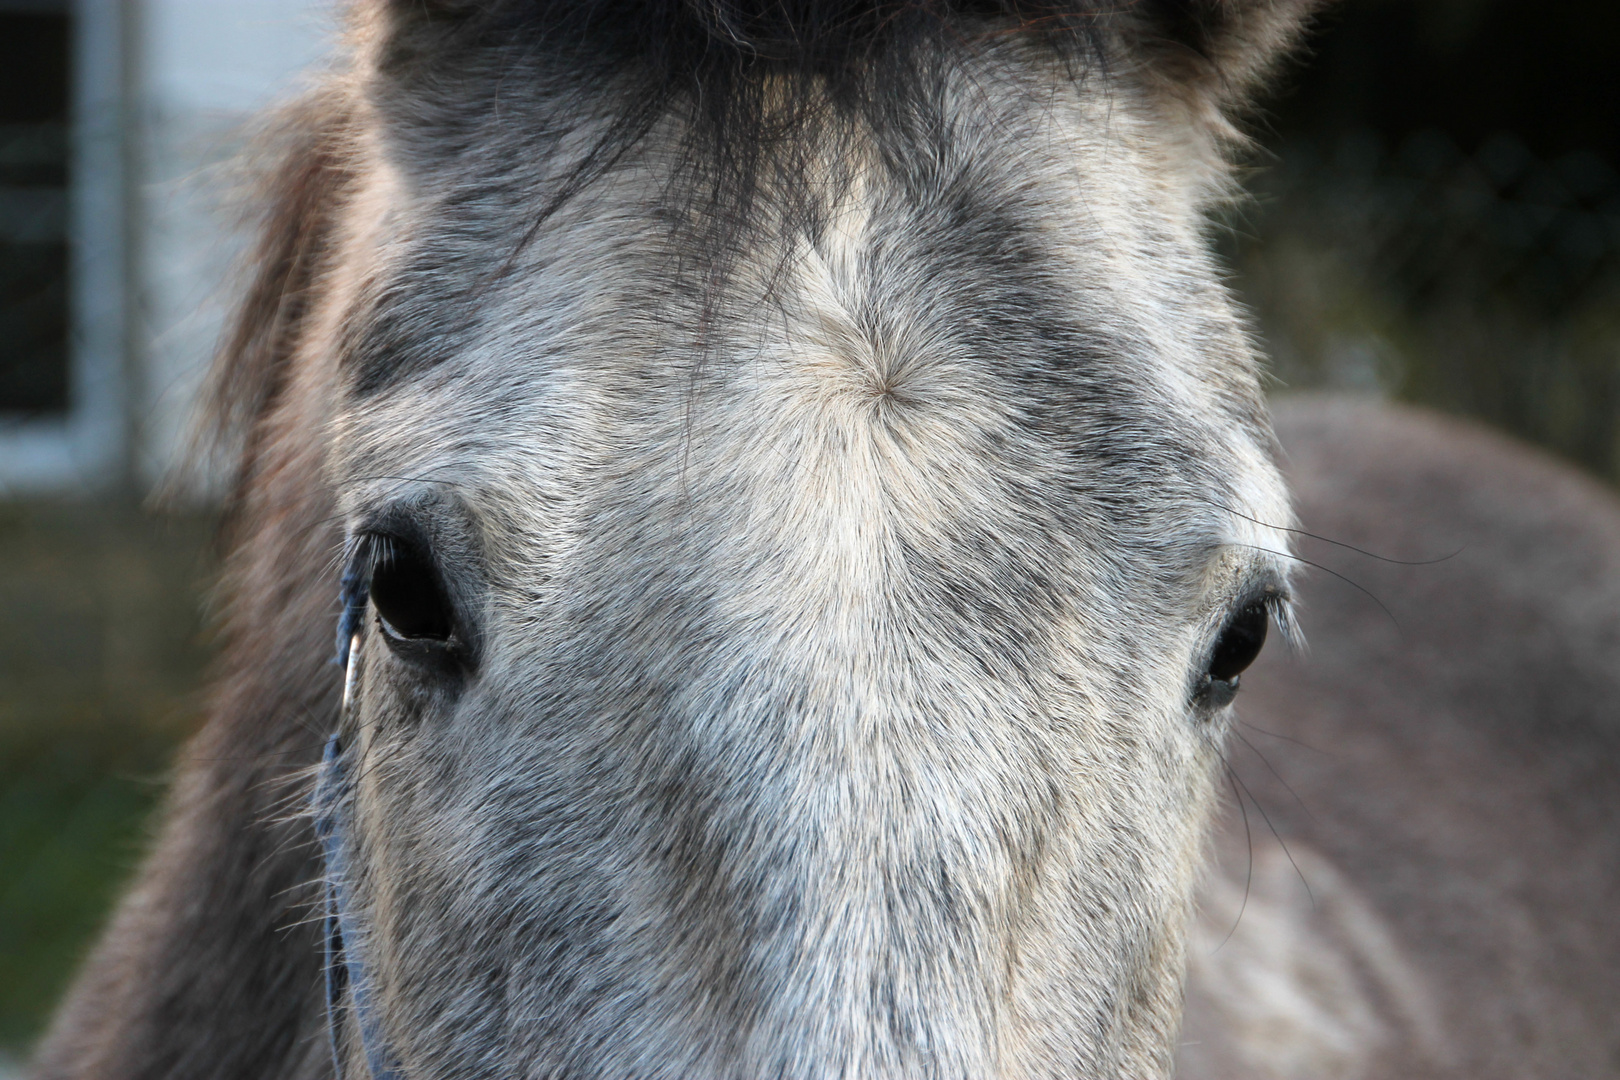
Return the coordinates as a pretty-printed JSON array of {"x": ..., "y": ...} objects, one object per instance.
[{"x": 812, "y": 661}]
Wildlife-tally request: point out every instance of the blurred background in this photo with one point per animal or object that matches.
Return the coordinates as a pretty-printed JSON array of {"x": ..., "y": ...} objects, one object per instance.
[
  {"x": 119, "y": 122},
  {"x": 1436, "y": 218}
]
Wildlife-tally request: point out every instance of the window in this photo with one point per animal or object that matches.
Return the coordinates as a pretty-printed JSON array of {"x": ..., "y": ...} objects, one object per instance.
[
  {"x": 62, "y": 414},
  {"x": 34, "y": 109}
]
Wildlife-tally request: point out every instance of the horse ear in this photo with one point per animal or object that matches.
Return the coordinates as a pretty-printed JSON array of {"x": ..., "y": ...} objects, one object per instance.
[{"x": 1219, "y": 51}]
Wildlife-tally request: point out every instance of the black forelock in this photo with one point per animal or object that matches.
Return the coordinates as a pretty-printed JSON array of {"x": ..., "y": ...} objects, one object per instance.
[
  {"x": 693, "y": 37},
  {"x": 748, "y": 78},
  {"x": 714, "y": 57}
]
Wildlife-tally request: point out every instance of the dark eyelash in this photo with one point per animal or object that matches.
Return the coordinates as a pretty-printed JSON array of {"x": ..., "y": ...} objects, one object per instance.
[
  {"x": 364, "y": 552},
  {"x": 352, "y": 586}
]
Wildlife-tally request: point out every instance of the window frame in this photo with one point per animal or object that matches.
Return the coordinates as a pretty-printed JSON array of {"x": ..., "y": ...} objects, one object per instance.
[{"x": 87, "y": 446}]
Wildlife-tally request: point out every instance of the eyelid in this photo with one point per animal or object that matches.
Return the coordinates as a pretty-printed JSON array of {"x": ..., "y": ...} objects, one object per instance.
[
  {"x": 1261, "y": 585},
  {"x": 1278, "y": 599}
]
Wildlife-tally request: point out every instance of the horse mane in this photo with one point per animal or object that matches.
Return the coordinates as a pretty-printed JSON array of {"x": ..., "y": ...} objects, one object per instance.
[
  {"x": 211, "y": 965},
  {"x": 307, "y": 148}
]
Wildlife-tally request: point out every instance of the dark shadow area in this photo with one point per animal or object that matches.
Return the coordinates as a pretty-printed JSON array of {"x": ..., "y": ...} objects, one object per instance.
[
  {"x": 1437, "y": 216},
  {"x": 34, "y": 155}
]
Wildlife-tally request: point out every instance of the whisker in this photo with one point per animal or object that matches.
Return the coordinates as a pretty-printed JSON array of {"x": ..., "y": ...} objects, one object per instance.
[
  {"x": 1338, "y": 543},
  {"x": 1285, "y": 738},
  {"x": 1283, "y": 843},
  {"x": 1318, "y": 566},
  {"x": 1272, "y": 769},
  {"x": 1248, "y": 841}
]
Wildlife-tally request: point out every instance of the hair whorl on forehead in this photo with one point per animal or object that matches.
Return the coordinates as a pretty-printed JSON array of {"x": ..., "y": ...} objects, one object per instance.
[{"x": 714, "y": 60}]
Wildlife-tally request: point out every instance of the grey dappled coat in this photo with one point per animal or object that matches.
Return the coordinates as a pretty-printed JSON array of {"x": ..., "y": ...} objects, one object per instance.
[{"x": 808, "y": 478}]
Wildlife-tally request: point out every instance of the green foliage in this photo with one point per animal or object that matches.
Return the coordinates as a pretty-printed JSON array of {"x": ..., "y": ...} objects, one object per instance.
[{"x": 71, "y": 806}]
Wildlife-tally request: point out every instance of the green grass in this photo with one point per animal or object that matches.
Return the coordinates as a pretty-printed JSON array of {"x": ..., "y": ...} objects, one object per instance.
[
  {"x": 101, "y": 655},
  {"x": 72, "y": 805}
]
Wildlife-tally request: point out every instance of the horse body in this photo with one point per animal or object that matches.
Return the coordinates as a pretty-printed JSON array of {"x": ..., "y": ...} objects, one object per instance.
[
  {"x": 793, "y": 536},
  {"x": 1435, "y": 898}
]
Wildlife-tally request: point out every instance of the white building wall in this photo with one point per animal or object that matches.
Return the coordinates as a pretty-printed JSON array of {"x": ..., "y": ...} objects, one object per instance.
[{"x": 201, "y": 71}]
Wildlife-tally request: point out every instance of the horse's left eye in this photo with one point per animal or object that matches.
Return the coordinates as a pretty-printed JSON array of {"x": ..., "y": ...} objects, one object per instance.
[
  {"x": 1240, "y": 642},
  {"x": 408, "y": 595}
]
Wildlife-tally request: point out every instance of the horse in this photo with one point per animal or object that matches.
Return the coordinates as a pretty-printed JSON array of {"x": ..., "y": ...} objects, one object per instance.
[
  {"x": 1440, "y": 775},
  {"x": 797, "y": 504}
]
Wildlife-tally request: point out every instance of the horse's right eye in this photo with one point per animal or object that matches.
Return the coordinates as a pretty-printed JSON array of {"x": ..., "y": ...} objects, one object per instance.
[{"x": 408, "y": 595}]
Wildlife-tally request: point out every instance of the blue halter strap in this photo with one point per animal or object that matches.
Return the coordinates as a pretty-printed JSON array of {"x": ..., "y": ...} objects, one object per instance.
[{"x": 345, "y": 964}]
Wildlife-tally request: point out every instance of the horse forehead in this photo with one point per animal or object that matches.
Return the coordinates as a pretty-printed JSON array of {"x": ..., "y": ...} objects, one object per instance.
[
  {"x": 904, "y": 349},
  {"x": 1008, "y": 178}
]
